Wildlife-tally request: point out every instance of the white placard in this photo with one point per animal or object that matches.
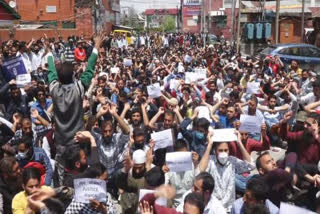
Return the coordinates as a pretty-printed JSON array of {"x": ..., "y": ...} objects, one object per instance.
[
  {"x": 251, "y": 124},
  {"x": 288, "y": 208},
  {"x": 154, "y": 91},
  {"x": 127, "y": 62},
  {"x": 204, "y": 112},
  {"x": 23, "y": 79},
  {"x": 224, "y": 135},
  {"x": 87, "y": 188},
  {"x": 173, "y": 84},
  {"x": 162, "y": 139},
  {"x": 115, "y": 70},
  {"x": 253, "y": 87},
  {"x": 190, "y": 77},
  {"x": 201, "y": 73},
  {"x": 179, "y": 161},
  {"x": 160, "y": 201}
]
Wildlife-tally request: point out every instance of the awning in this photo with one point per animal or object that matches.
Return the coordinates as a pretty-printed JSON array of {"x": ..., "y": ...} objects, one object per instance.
[{"x": 287, "y": 8}]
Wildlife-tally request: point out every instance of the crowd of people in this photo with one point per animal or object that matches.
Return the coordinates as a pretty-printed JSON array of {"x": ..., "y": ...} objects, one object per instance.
[{"x": 88, "y": 113}]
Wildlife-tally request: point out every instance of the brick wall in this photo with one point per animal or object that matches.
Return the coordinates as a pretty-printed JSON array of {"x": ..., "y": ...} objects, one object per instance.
[
  {"x": 35, "y": 10},
  {"x": 26, "y": 35}
]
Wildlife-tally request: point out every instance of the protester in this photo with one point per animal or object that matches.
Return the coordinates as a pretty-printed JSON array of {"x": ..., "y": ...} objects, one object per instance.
[{"x": 111, "y": 112}]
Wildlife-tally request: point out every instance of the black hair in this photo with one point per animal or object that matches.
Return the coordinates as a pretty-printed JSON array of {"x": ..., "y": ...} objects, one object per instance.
[
  {"x": 6, "y": 164},
  {"x": 169, "y": 112},
  {"x": 65, "y": 72},
  {"x": 203, "y": 123},
  {"x": 195, "y": 199},
  {"x": 94, "y": 171},
  {"x": 26, "y": 140},
  {"x": 207, "y": 181},
  {"x": 71, "y": 156},
  {"x": 258, "y": 161},
  {"x": 272, "y": 96},
  {"x": 138, "y": 132},
  {"x": 30, "y": 173},
  {"x": 55, "y": 206},
  {"x": 180, "y": 144},
  {"x": 254, "y": 98},
  {"x": 154, "y": 177},
  {"x": 316, "y": 83},
  {"x": 258, "y": 188},
  {"x": 135, "y": 110}
]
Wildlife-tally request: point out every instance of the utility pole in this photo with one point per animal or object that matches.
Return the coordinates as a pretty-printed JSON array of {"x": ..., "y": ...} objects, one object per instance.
[
  {"x": 233, "y": 20},
  {"x": 277, "y": 21},
  {"x": 263, "y": 10},
  {"x": 209, "y": 22},
  {"x": 302, "y": 21},
  {"x": 238, "y": 28}
]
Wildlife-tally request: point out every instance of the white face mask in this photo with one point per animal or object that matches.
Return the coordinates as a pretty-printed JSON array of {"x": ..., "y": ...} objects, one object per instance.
[
  {"x": 23, "y": 154},
  {"x": 223, "y": 157}
]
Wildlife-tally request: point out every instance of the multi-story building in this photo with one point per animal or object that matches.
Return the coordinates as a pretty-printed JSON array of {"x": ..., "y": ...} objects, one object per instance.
[{"x": 63, "y": 17}]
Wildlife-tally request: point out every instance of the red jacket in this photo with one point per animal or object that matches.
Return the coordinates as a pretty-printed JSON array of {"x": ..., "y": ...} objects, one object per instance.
[
  {"x": 80, "y": 55},
  {"x": 251, "y": 145}
]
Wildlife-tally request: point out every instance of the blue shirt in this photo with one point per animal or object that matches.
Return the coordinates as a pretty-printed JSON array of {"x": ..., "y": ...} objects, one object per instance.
[{"x": 238, "y": 208}]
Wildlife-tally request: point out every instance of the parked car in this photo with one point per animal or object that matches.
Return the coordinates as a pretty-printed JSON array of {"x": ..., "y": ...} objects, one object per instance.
[{"x": 307, "y": 55}]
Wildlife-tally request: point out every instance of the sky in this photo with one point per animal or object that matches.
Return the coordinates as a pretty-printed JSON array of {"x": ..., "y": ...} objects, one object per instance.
[{"x": 142, "y": 5}]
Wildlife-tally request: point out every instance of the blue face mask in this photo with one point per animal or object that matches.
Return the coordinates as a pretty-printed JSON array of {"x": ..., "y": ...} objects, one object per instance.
[{"x": 199, "y": 135}]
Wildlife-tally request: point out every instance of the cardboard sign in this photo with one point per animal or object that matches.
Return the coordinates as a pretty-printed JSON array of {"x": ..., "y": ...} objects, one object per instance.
[
  {"x": 154, "y": 91},
  {"x": 86, "y": 189},
  {"x": 162, "y": 139},
  {"x": 224, "y": 135},
  {"x": 251, "y": 124},
  {"x": 13, "y": 68},
  {"x": 179, "y": 161}
]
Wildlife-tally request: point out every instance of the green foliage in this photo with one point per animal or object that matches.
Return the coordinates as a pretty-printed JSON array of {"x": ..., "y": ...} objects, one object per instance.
[{"x": 169, "y": 24}]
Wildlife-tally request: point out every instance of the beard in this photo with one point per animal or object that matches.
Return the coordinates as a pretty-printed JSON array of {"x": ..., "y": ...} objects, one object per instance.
[
  {"x": 138, "y": 175},
  {"x": 307, "y": 136},
  {"x": 107, "y": 140}
]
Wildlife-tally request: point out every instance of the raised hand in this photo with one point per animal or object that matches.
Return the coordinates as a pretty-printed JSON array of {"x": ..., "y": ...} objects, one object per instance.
[
  {"x": 34, "y": 113},
  {"x": 145, "y": 208}
]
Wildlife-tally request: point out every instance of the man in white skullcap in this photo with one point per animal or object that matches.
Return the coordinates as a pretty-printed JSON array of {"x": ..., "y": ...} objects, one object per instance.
[{"x": 131, "y": 179}]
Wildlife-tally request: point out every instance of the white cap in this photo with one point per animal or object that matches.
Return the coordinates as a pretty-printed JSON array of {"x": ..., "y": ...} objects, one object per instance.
[{"x": 139, "y": 157}]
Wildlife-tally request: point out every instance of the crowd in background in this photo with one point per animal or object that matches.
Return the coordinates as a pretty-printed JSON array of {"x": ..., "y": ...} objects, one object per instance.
[{"x": 87, "y": 113}]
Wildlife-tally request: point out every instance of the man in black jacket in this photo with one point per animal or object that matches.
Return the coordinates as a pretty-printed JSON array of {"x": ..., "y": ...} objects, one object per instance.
[{"x": 10, "y": 183}]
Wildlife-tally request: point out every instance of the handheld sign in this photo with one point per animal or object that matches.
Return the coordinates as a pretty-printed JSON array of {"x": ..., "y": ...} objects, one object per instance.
[
  {"x": 179, "y": 161},
  {"x": 87, "y": 188},
  {"x": 253, "y": 87},
  {"x": 12, "y": 68},
  {"x": 154, "y": 91},
  {"x": 224, "y": 135},
  {"x": 251, "y": 124},
  {"x": 127, "y": 62},
  {"x": 162, "y": 139},
  {"x": 289, "y": 208}
]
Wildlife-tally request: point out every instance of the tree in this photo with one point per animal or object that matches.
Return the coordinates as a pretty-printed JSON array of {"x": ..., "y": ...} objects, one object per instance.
[{"x": 169, "y": 24}]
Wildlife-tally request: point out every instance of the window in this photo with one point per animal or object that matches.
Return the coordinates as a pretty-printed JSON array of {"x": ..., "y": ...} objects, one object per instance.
[
  {"x": 68, "y": 25},
  {"x": 290, "y": 51},
  {"x": 309, "y": 52}
]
